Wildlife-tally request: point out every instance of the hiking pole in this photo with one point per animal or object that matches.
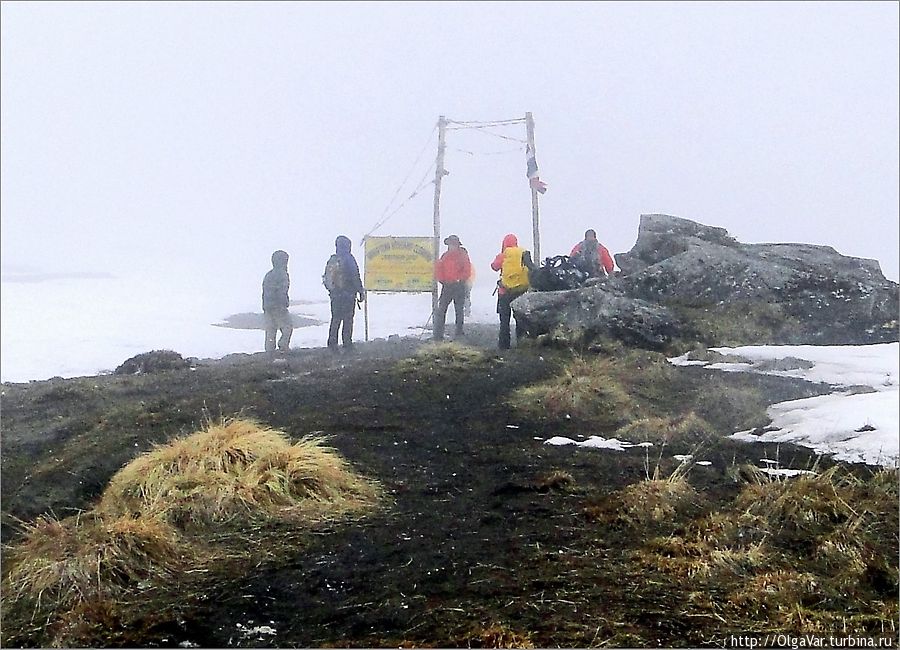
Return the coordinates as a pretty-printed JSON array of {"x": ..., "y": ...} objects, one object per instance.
[
  {"x": 364, "y": 305},
  {"x": 425, "y": 326}
]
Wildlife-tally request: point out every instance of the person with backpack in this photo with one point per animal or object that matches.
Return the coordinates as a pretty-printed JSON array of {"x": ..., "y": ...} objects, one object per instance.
[
  {"x": 341, "y": 279},
  {"x": 275, "y": 303},
  {"x": 452, "y": 270},
  {"x": 592, "y": 257},
  {"x": 514, "y": 263}
]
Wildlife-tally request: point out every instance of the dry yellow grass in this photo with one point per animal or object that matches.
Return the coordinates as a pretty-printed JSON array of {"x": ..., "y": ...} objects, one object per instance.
[
  {"x": 886, "y": 482},
  {"x": 652, "y": 429},
  {"x": 65, "y": 562},
  {"x": 159, "y": 514},
  {"x": 556, "y": 480},
  {"x": 689, "y": 428},
  {"x": 443, "y": 356},
  {"x": 585, "y": 389},
  {"x": 238, "y": 470},
  {"x": 809, "y": 503},
  {"x": 770, "y": 591},
  {"x": 655, "y": 500},
  {"x": 800, "y": 553},
  {"x": 843, "y": 551}
]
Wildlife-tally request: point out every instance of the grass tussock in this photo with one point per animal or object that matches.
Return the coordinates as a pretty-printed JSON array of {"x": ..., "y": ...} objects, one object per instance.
[
  {"x": 585, "y": 389},
  {"x": 655, "y": 500},
  {"x": 807, "y": 505},
  {"x": 556, "y": 480},
  {"x": 612, "y": 388},
  {"x": 689, "y": 429},
  {"x": 161, "y": 516},
  {"x": 802, "y": 553},
  {"x": 82, "y": 558},
  {"x": 445, "y": 356},
  {"x": 238, "y": 470}
]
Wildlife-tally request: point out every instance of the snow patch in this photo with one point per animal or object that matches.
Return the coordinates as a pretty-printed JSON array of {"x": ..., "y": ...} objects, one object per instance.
[
  {"x": 857, "y": 428},
  {"x": 597, "y": 442}
]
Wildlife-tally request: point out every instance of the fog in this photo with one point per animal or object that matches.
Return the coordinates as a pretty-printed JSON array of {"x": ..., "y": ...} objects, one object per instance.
[{"x": 188, "y": 141}]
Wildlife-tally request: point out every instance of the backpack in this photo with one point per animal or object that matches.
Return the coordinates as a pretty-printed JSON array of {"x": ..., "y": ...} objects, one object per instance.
[
  {"x": 586, "y": 258},
  {"x": 513, "y": 273},
  {"x": 558, "y": 274},
  {"x": 334, "y": 278}
]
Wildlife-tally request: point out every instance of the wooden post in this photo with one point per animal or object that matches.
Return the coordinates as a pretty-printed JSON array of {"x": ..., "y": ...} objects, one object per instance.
[
  {"x": 439, "y": 174},
  {"x": 535, "y": 210}
]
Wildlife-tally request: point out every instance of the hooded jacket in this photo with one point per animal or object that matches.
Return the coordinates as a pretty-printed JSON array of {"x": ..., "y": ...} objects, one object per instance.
[
  {"x": 276, "y": 284},
  {"x": 352, "y": 282},
  {"x": 513, "y": 263}
]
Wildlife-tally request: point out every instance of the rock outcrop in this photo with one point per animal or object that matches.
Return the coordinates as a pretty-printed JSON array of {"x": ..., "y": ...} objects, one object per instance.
[
  {"x": 152, "y": 362},
  {"x": 717, "y": 290},
  {"x": 599, "y": 310}
]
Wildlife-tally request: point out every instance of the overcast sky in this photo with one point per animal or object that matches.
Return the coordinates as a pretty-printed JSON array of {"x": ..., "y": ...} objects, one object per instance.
[{"x": 197, "y": 138}]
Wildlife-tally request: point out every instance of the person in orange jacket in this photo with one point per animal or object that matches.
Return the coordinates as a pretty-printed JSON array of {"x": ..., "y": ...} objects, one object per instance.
[
  {"x": 592, "y": 257},
  {"x": 514, "y": 263},
  {"x": 453, "y": 271}
]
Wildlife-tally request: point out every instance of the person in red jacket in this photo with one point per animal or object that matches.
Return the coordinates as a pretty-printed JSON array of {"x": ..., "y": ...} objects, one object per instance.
[
  {"x": 592, "y": 256},
  {"x": 453, "y": 271}
]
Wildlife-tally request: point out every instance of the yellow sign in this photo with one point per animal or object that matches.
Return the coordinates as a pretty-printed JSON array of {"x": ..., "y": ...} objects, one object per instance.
[{"x": 399, "y": 264}]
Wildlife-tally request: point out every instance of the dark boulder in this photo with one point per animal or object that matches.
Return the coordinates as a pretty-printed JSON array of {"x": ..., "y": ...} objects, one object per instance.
[
  {"x": 697, "y": 283},
  {"x": 152, "y": 362},
  {"x": 821, "y": 296},
  {"x": 599, "y": 310}
]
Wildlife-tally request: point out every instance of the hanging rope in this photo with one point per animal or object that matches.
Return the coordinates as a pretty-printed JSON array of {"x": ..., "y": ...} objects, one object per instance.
[
  {"x": 422, "y": 184},
  {"x": 382, "y": 218},
  {"x": 474, "y": 124},
  {"x": 453, "y": 125},
  {"x": 488, "y": 153},
  {"x": 503, "y": 137},
  {"x": 482, "y": 127},
  {"x": 483, "y": 130}
]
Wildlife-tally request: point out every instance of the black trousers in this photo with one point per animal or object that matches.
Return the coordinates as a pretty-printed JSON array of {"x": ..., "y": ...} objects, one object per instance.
[
  {"x": 454, "y": 292},
  {"x": 505, "y": 311},
  {"x": 343, "y": 308}
]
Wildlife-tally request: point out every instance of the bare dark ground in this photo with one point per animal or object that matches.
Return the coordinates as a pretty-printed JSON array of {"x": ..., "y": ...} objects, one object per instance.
[{"x": 474, "y": 537}]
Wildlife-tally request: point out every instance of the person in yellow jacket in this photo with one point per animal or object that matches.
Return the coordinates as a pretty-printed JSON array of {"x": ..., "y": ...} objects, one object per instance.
[{"x": 513, "y": 263}]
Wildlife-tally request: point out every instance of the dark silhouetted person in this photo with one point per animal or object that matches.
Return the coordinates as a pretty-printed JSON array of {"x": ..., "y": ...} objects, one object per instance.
[
  {"x": 452, "y": 270},
  {"x": 513, "y": 263},
  {"x": 275, "y": 303},
  {"x": 344, "y": 285},
  {"x": 592, "y": 257}
]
